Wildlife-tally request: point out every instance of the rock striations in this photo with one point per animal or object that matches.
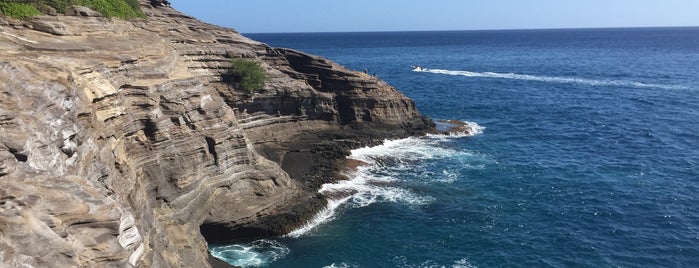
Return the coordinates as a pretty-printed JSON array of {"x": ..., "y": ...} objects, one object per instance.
[{"x": 122, "y": 144}]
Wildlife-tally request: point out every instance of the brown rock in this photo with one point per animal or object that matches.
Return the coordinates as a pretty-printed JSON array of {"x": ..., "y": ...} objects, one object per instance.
[
  {"x": 48, "y": 26},
  {"x": 82, "y": 11},
  {"x": 119, "y": 140}
]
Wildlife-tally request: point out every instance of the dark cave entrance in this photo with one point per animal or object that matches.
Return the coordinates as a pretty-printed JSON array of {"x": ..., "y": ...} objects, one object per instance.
[{"x": 217, "y": 233}]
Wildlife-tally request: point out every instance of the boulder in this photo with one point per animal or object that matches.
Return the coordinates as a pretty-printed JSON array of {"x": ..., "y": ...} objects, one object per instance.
[
  {"x": 51, "y": 11},
  {"x": 52, "y": 27},
  {"x": 82, "y": 11}
]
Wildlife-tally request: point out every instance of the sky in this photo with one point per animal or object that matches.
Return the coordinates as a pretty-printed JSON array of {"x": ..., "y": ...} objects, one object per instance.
[{"x": 283, "y": 16}]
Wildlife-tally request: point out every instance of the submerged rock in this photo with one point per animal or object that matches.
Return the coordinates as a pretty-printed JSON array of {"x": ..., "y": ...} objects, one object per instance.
[{"x": 121, "y": 143}]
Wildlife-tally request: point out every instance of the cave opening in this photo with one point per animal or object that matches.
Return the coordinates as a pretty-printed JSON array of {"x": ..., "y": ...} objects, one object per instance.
[
  {"x": 211, "y": 144},
  {"x": 19, "y": 156},
  {"x": 149, "y": 129},
  {"x": 220, "y": 233}
]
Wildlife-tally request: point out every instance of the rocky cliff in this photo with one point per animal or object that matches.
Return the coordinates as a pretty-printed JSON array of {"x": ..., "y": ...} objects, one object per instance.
[{"x": 122, "y": 144}]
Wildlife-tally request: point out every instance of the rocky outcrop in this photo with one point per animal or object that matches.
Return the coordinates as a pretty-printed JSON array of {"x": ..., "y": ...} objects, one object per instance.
[{"x": 121, "y": 142}]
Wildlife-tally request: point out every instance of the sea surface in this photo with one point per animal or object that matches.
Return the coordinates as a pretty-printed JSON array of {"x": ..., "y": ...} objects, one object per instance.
[{"x": 583, "y": 152}]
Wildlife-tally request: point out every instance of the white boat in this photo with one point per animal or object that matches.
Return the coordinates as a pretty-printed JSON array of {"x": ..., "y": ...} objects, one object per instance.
[{"x": 418, "y": 68}]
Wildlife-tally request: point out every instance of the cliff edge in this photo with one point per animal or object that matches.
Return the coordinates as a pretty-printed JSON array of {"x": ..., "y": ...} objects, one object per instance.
[{"x": 122, "y": 145}]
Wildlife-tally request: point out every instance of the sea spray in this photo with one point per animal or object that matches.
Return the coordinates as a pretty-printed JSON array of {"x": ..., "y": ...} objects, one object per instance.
[
  {"x": 325, "y": 215},
  {"x": 256, "y": 254},
  {"x": 376, "y": 180}
]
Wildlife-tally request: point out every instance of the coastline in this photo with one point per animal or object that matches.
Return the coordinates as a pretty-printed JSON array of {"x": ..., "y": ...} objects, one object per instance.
[
  {"x": 468, "y": 186},
  {"x": 328, "y": 164},
  {"x": 350, "y": 179},
  {"x": 194, "y": 156},
  {"x": 217, "y": 263}
]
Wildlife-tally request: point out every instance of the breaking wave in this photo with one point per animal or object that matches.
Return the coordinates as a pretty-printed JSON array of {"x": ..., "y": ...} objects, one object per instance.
[
  {"x": 552, "y": 79},
  {"x": 321, "y": 217},
  {"x": 376, "y": 180},
  {"x": 458, "y": 129}
]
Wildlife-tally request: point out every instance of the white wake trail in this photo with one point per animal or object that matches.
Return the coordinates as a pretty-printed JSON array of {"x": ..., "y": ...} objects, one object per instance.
[{"x": 551, "y": 79}]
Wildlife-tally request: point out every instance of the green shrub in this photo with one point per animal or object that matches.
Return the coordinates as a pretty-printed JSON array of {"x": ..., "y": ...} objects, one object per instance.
[
  {"x": 43, "y": 5},
  {"x": 133, "y": 4},
  {"x": 18, "y": 10},
  {"x": 60, "y": 5},
  {"x": 124, "y": 9},
  {"x": 248, "y": 74}
]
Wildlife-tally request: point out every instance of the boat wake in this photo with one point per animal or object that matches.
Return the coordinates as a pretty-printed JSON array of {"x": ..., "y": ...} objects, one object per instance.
[
  {"x": 551, "y": 79},
  {"x": 378, "y": 179}
]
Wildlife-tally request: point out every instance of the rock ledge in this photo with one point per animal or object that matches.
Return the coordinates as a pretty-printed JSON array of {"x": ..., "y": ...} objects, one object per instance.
[{"x": 122, "y": 146}]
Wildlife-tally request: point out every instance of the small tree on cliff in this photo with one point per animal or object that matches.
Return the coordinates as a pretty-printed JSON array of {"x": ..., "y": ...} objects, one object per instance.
[{"x": 248, "y": 74}]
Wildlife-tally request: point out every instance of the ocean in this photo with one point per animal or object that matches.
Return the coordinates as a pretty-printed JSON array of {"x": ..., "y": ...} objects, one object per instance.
[{"x": 583, "y": 151}]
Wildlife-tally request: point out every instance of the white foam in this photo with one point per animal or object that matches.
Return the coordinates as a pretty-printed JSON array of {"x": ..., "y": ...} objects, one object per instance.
[
  {"x": 448, "y": 176},
  {"x": 361, "y": 191},
  {"x": 366, "y": 189},
  {"x": 376, "y": 181},
  {"x": 405, "y": 151},
  {"x": 463, "y": 263},
  {"x": 340, "y": 265},
  {"x": 553, "y": 79},
  {"x": 256, "y": 254},
  {"x": 325, "y": 215},
  {"x": 468, "y": 129}
]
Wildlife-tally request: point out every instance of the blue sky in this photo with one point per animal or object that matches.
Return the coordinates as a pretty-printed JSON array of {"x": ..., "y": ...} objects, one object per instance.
[{"x": 257, "y": 16}]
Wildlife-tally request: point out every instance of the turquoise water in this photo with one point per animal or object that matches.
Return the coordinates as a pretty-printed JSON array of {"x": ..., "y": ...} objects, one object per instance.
[{"x": 583, "y": 152}]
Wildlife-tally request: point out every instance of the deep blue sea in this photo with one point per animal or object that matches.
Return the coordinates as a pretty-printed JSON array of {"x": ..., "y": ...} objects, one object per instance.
[{"x": 584, "y": 152}]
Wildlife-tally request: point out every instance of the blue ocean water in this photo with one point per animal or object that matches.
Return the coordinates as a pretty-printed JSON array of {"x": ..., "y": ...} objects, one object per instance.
[{"x": 584, "y": 152}]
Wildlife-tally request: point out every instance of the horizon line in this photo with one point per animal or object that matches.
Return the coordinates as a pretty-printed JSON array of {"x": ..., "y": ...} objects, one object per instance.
[{"x": 477, "y": 30}]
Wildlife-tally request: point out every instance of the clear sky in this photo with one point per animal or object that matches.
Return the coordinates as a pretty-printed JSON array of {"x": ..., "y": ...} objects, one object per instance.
[{"x": 258, "y": 16}]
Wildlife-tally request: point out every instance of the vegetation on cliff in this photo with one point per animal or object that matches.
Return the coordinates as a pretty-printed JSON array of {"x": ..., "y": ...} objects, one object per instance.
[
  {"x": 248, "y": 74},
  {"x": 22, "y": 9},
  {"x": 114, "y": 8},
  {"x": 18, "y": 10}
]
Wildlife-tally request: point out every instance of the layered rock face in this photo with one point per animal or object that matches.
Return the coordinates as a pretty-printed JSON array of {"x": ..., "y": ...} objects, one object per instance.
[{"x": 120, "y": 140}]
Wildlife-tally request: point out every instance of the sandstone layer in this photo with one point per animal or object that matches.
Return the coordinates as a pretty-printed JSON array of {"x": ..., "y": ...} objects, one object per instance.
[{"x": 121, "y": 142}]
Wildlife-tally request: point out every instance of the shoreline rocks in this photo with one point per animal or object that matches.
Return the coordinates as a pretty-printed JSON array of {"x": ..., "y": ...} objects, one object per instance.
[{"x": 123, "y": 146}]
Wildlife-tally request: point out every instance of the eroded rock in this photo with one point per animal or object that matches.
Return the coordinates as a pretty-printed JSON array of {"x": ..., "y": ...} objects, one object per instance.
[
  {"x": 52, "y": 27},
  {"x": 119, "y": 140},
  {"x": 82, "y": 11}
]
